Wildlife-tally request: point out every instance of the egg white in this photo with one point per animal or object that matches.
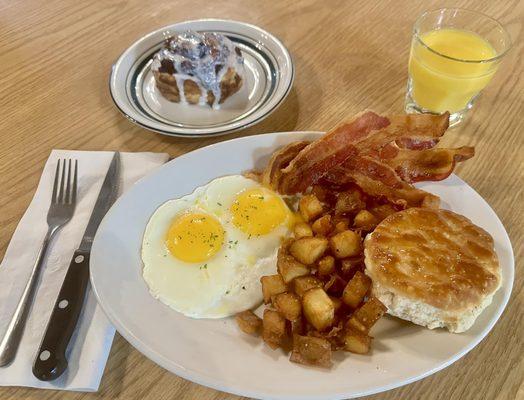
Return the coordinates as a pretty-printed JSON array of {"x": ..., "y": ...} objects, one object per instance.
[{"x": 227, "y": 283}]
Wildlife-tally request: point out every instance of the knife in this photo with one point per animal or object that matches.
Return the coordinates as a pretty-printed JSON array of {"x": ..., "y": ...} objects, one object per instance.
[{"x": 50, "y": 361}]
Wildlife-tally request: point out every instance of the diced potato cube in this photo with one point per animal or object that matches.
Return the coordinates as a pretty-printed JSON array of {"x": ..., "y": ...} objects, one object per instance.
[
  {"x": 318, "y": 308},
  {"x": 322, "y": 226},
  {"x": 271, "y": 286},
  {"x": 367, "y": 315},
  {"x": 356, "y": 341},
  {"x": 248, "y": 322},
  {"x": 356, "y": 289},
  {"x": 308, "y": 250},
  {"x": 298, "y": 326},
  {"x": 326, "y": 265},
  {"x": 289, "y": 268},
  {"x": 273, "y": 328},
  {"x": 383, "y": 211},
  {"x": 341, "y": 224},
  {"x": 365, "y": 220},
  {"x": 349, "y": 202},
  {"x": 302, "y": 230},
  {"x": 345, "y": 244},
  {"x": 311, "y": 351},
  {"x": 335, "y": 285},
  {"x": 348, "y": 264},
  {"x": 337, "y": 303},
  {"x": 288, "y": 304},
  {"x": 303, "y": 283},
  {"x": 320, "y": 192},
  {"x": 310, "y": 207}
]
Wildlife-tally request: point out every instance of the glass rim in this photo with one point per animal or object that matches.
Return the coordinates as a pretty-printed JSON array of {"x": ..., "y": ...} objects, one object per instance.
[{"x": 487, "y": 60}]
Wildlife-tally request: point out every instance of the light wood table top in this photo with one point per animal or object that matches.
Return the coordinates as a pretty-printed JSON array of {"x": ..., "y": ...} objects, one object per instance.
[{"x": 350, "y": 55}]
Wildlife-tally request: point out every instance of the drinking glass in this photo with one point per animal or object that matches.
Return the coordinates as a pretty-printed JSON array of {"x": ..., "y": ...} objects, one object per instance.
[{"x": 454, "y": 54}]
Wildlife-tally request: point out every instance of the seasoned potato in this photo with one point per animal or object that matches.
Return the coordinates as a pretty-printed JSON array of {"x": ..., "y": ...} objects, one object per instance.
[
  {"x": 298, "y": 326},
  {"x": 348, "y": 264},
  {"x": 365, "y": 220},
  {"x": 302, "y": 230},
  {"x": 349, "y": 202},
  {"x": 356, "y": 289},
  {"x": 326, "y": 265},
  {"x": 383, "y": 211},
  {"x": 308, "y": 250},
  {"x": 288, "y": 304},
  {"x": 310, "y": 207},
  {"x": 356, "y": 341},
  {"x": 271, "y": 286},
  {"x": 345, "y": 244},
  {"x": 248, "y": 322},
  {"x": 322, "y": 226},
  {"x": 320, "y": 192},
  {"x": 335, "y": 285},
  {"x": 318, "y": 308},
  {"x": 303, "y": 283},
  {"x": 367, "y": 315},
  {"x": 289, "y": 268},
  {"x": 337, "y": 303},
  {"x": 273, "y": 328},
  {"x": 311, "y": 351},
  {"x": 341, "y": 224}
]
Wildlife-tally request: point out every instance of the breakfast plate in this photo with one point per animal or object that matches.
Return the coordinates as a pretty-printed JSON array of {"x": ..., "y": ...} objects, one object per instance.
[
  {"x": 269, "y": 74},
  {"x": 214, "y": 352}
]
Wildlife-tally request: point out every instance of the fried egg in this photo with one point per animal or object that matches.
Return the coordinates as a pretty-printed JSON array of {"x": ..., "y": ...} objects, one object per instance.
[{"x": 204, "y": 253}]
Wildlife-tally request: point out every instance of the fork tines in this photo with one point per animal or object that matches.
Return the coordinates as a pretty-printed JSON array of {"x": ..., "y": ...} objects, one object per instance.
[{"x": 65, "y": 185}]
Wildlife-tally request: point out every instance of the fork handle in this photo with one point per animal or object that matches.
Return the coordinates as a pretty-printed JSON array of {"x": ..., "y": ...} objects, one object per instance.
[
  {"x": 50, "y": 361},
  {"x": 15, "y": 329}
]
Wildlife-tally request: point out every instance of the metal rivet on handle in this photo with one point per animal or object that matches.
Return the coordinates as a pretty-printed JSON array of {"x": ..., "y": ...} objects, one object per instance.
[
  {"x": 63, "y": 304},
  {"x": 45, "y": 355},
  {"x": 79, "y": 259}
]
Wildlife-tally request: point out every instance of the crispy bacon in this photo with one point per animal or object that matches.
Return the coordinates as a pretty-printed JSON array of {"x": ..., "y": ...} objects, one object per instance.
[
  {"x": 380, "y": 180},
  {"x": 367, "y": 134},
  {"x": 279, "y": 160},
  {"x": 411, "y": 131},
  {"x": 426, "y": 165},
  {"x": 332, "y": 149}
]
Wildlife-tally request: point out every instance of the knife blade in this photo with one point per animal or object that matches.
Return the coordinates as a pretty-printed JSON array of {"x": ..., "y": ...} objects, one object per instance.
[{"x": 51, "y": 361}]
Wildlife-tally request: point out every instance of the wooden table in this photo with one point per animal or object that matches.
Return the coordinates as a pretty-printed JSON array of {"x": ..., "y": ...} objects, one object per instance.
[{"x": 56, "y": 56}]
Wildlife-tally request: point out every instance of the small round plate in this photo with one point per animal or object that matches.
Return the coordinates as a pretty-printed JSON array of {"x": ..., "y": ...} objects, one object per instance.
[
  {"x": 216, "y": 353},
  {"x": 269, "y": 74}
]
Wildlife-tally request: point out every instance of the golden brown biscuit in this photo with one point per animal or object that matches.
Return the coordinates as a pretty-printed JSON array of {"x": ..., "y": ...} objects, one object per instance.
[{"x": 432, "y": 267}]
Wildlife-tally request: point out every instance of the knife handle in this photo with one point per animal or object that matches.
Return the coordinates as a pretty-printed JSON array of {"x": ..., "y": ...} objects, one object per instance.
[{"x": 50, "y": 361}]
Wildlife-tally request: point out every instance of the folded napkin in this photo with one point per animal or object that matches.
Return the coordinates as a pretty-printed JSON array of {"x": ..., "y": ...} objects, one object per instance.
[{"x": 91, "y": 341}]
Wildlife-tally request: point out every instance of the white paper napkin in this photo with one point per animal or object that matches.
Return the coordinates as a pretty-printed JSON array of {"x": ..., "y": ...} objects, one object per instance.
[{"x": 91, "y": 341}]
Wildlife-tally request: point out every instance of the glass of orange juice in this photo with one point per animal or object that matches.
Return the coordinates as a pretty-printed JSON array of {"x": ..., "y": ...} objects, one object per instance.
[{"x": 454, "y": 55}]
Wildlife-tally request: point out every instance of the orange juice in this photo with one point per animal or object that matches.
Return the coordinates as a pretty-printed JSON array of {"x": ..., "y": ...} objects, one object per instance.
[{"x": 440, "y": 81}]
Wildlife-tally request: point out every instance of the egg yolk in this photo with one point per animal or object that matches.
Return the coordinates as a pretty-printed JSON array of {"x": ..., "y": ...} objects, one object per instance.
[
  {"x": 194, "y": 237},
  {"x": 258, "y": 211}
]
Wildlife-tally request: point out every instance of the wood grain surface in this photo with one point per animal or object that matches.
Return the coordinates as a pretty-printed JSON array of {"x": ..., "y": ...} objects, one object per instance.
[{"x": 350, "y": 55}]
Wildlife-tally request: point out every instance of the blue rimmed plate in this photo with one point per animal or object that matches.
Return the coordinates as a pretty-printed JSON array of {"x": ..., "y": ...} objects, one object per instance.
[{"x": 269, "y": 74}]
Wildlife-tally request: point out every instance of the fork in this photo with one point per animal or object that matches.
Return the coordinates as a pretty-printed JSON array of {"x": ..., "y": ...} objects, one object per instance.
[{"x": 61, "y": 209}]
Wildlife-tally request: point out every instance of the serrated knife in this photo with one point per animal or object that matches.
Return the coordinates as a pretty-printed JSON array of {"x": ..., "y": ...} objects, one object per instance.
[{"x": 50, "y": 361}]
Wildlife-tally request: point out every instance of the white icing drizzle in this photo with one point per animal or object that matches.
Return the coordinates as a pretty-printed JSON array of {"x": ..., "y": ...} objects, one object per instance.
[{"x": 203, "y": 58}]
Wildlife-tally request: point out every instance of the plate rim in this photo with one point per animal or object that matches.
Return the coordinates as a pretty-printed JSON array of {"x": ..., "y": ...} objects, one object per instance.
[
  {"x": 214, "y": 383},
  {"x": 218, "y": 131}
]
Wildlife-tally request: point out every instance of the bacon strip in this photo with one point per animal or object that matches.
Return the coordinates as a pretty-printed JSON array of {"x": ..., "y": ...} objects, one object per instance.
[
  {"x": 335, "y": 147},
  {"x": 426, "y": 165},
  {"x": 378, "y": 179},
  {"x": 367, "y": 134},
  {"x": 279, "y": 160}
]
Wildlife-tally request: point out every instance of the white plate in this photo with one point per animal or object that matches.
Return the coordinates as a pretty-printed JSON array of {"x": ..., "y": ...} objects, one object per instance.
[
  {"x": 214, "y": 352},
  {"x": 269, "y": 74}
]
